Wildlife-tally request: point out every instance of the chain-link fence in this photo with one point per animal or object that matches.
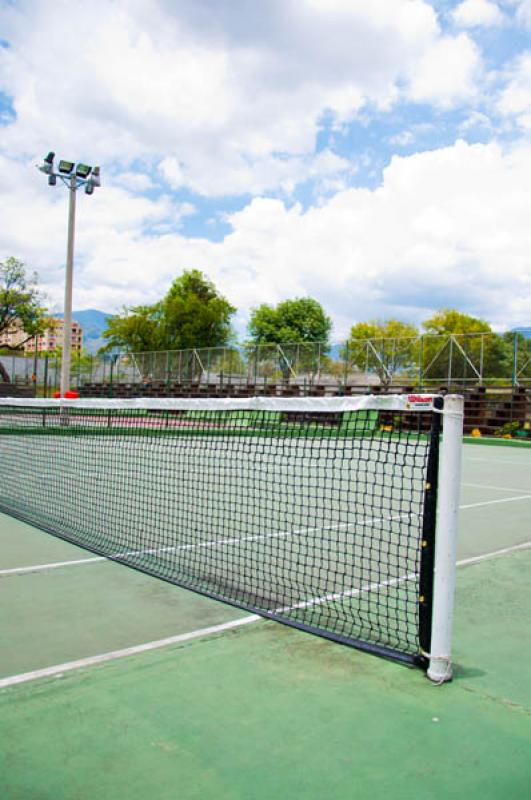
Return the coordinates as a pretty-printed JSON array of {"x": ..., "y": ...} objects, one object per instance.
[
  {"x": 427, "y": 361},
  {"x": 483, "y": 359}
]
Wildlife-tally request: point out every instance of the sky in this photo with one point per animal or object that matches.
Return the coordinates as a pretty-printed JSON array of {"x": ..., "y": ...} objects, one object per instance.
[{"x": 373, "y": 155}]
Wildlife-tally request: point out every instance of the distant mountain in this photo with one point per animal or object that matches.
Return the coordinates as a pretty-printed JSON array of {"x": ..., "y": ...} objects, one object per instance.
[{"x": 93, "y": 322}]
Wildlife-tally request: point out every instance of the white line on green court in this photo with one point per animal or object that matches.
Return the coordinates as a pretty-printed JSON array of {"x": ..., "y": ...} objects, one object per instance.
[
  {"x": 489, "y": 461},
  {"x": 494, "y": 502},
  {"x": 332, "y": 598},
  {"x": 370, "y": 587},
  {"x": 53, "y": 565},
  {"x": 221, "y": 542},
  {"x": 493, "y": 488},
  {"x": 58, "y": 670},
  {"x": 214, "y": 543},
  {"x": 485, "y": 556}
]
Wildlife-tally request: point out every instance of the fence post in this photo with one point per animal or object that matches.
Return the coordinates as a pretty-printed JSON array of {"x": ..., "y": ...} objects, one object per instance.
[
  {"x": 346, "y": 359},
  {"x": 111, "y": 369},
  {"x": 34, "y": 376},
  {"x": 45, "y": 377},
  {"x": 56, "y": 367},
  {"x": 421, "y": 360},
  {"x": 514, "y": 378},
  {"x": 209, "y": 362},
  {"x": 450, "y": 361}
]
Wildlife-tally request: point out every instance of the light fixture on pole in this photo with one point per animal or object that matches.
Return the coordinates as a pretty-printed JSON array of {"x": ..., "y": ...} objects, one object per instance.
[{"x": 73, "y": 176}]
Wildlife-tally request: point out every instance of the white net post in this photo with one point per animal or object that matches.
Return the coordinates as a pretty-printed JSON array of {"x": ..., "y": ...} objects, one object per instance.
[{"x": 440, "y": 667}]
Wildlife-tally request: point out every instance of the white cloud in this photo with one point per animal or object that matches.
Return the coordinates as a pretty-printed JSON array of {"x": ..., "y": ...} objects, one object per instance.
[
  {"x": 472, "y": 13},
  {"x": 222, "y": 95},
  {"x": 447, "y": 74},
  {"x": 446, "y": 227},
  {"x": 476, "y": 119},
  {"x": 415, "y": 133},
  {"x": 402, "y": 139},
  {"x": 515, "y": 99},
  {"x": 172, "y": 172},
  {"x": 523, "y": 13},
  {"x": 218, "y": 98},
  {"x": 254, "y": 177},
  {"x": 137, "y": 181}
]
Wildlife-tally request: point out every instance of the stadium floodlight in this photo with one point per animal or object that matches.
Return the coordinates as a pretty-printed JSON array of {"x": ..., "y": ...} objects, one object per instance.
[
  {"x": 47, "y": 164},
  {"x": 66, "y": 167},
  {"x": 73, "y": 176},
  {"x": 83, "y": 171}
]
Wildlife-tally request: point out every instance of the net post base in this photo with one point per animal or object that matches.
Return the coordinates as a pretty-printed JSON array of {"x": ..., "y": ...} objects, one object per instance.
[{"x": 440, "y": 670}]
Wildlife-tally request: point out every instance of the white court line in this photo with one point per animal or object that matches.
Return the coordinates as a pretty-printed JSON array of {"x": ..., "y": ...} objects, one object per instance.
[
  {"x": 493, "y": 488},
  {"x": 485, "y": 556},
  {"x": 491, "y": 462},
  {"x": 237, "y": 540},
  {"x": 370, "y": 587},
  {"x": 59, "y": 669},
  {"x": 331, "y": 598},
  {"x": 68, "y": 666},
  {"x": 54, "y": 565},
  {"x": 198, "y": 545},
  {"x": 494, "y": 502}
]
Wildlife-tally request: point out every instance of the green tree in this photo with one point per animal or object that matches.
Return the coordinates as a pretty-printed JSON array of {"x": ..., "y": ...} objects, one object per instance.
[
  {"x": 448, "y": 320},
  {"x": 386, "y": 347},
  {"x": 192, "y": 314},
  {"x": 136, "y": 330},
  {"x": 462, "y": 348},
  {"x": 20, "y": 304},
  {"x": 298, "y": 330},
  {"x": 293, "y": 321},
  {"x": 195, "y": 314}
]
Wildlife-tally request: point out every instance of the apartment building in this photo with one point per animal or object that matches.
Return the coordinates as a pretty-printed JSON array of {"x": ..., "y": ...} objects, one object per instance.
[
  {"x": 46, "y": 342},
  {"x": 12, "y": 336}
]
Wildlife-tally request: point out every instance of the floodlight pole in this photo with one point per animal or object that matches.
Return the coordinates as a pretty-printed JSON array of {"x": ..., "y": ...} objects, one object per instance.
[
  {"x": 67, "y": 318},
  {"x": 73, "y": 177}
]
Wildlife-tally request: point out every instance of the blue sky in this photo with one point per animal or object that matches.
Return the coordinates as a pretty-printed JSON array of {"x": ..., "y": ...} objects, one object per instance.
[{"x": 376, "y": 156}]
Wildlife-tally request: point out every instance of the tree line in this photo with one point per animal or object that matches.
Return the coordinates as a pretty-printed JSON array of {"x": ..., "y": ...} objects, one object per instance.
[{"x": 194, "y": 314}]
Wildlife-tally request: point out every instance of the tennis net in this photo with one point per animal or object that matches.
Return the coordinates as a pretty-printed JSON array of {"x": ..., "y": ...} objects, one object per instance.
[{"x": 320, "y": 513}]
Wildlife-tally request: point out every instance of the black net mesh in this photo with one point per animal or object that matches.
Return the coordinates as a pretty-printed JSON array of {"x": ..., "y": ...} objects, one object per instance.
[{"x": 320, "y": 520}]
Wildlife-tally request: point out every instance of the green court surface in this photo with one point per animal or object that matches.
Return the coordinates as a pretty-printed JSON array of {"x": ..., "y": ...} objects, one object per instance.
[{"x": 249, "y": 708}]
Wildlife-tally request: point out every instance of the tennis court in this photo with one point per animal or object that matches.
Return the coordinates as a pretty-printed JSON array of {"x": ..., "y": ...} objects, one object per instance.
[{"x": 115, "y": 683}]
